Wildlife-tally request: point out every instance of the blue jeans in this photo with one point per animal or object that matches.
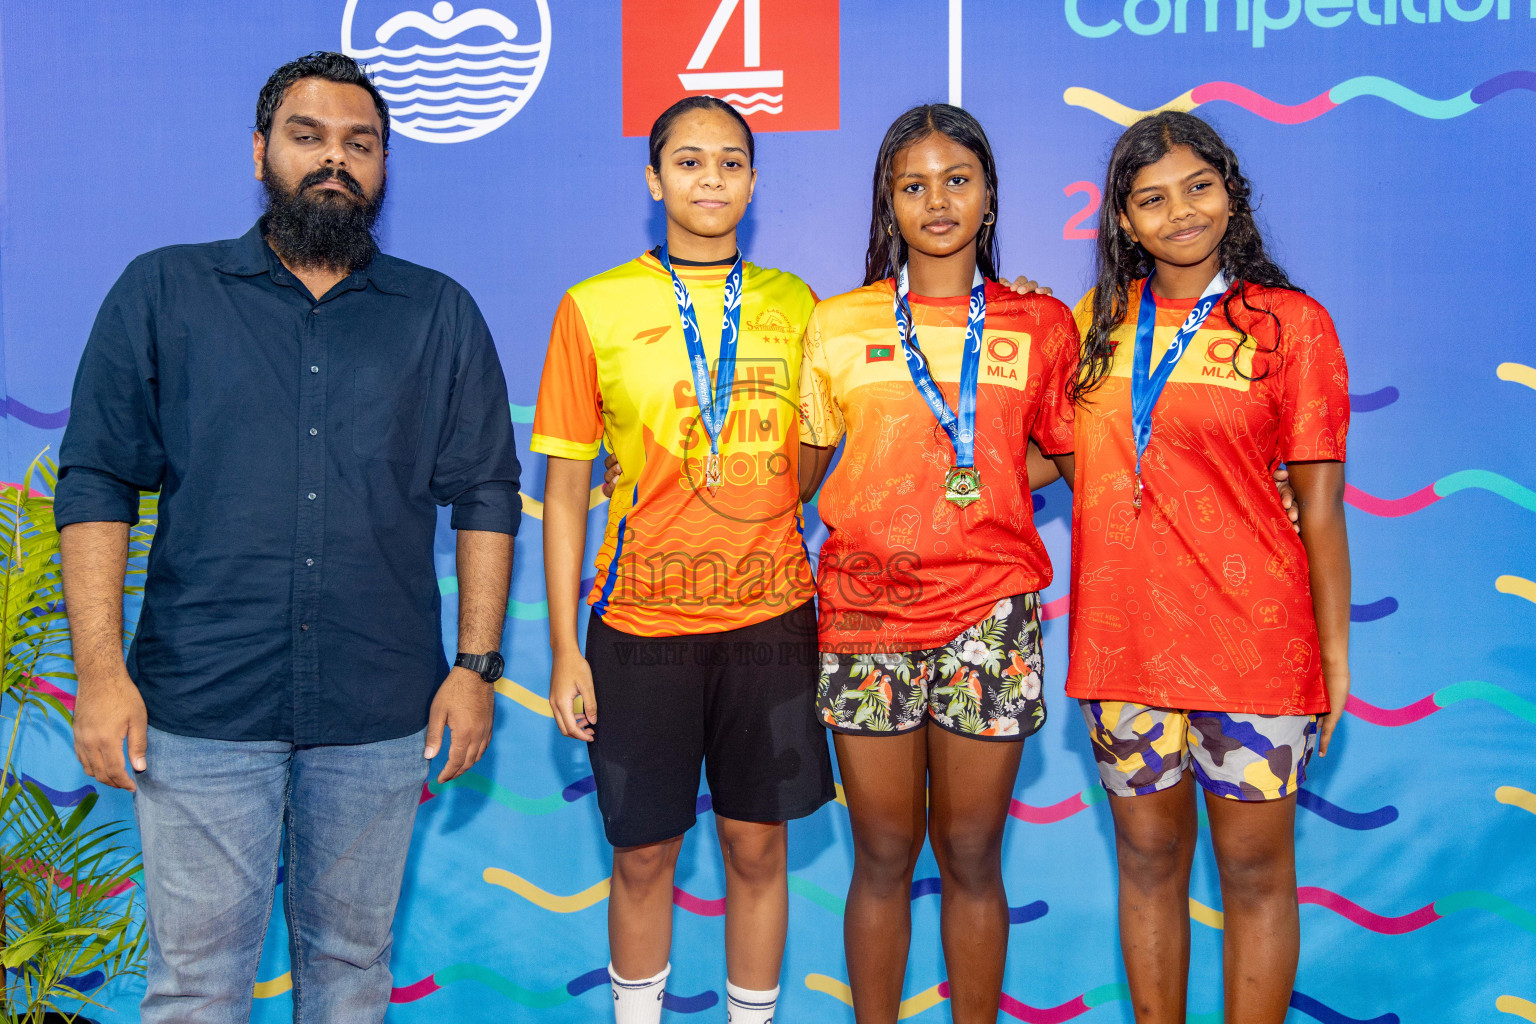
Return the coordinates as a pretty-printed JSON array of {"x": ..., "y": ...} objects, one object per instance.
[{"x": 213, "y": 816}]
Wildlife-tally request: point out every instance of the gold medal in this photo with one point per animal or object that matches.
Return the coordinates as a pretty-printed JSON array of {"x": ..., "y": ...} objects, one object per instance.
[
  {"x": 712, "y": 472},
  {"x": 1136, "y": 495},
  {"x": 962, "y": 486}
]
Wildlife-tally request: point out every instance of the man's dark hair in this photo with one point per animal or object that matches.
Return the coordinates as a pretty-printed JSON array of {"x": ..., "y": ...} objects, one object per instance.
[{"x": 333, "y": 67}]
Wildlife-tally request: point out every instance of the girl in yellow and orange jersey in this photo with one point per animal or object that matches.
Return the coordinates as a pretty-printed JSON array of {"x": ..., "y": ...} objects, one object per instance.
[{"x": 701, "y": 638}]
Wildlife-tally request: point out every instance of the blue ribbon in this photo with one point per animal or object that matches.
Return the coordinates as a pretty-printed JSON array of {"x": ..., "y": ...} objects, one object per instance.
[
  {"x": 712, "y": 411},
  {"x": 961, "y": 428},
  {"x": 1147, "y": 384}
]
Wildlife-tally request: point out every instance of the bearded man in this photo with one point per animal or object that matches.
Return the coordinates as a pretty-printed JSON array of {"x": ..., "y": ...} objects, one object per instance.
[{"x": 302, "y": 403}]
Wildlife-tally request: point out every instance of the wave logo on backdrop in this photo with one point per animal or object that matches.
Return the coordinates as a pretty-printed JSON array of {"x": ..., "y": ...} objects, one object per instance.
[
  {"x": 449, "y": 75},
  {"x": 783, "y": 75}
]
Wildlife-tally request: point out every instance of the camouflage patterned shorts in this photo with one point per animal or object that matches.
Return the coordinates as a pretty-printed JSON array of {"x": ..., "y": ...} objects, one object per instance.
[
  {"x": 1142, "y": 749},
  {"x": 984, "y": 683}
]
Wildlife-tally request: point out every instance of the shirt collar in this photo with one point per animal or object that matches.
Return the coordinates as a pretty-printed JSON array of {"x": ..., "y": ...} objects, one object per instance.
[{"x": 250, "y": 255}]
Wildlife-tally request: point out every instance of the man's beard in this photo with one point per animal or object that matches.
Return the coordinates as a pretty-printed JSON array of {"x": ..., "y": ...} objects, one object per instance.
[{"x": 321, "y": 228}]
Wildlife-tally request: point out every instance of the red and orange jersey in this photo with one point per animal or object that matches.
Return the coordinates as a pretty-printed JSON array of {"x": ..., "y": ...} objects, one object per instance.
[
  {"x": 904, "y": 569},
  {"x": 1203, "y": 601},
  {"x": 677, "y": 559}
]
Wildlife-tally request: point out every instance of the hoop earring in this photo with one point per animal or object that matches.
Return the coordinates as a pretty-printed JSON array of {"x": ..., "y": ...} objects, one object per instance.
[
  {"x": 990, "y": 218},
  {"x": 890, "y": 230}
]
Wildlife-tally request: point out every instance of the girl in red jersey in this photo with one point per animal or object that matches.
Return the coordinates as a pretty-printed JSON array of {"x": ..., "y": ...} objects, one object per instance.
[
  {"x": 934, "y": 377},
  {"x": 1205, "y": 632}
]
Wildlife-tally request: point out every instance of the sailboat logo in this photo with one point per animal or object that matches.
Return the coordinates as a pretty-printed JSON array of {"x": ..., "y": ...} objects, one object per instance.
[{"x": 450, "y": 76}]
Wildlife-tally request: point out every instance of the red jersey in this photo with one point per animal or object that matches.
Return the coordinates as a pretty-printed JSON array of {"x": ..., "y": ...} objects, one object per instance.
[
  {"x": 1203, "y": 601},
  {"x": 903, "y": 568}
]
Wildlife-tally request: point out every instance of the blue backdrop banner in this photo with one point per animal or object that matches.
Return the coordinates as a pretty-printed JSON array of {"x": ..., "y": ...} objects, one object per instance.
[{"x": 1390, "y": 146}]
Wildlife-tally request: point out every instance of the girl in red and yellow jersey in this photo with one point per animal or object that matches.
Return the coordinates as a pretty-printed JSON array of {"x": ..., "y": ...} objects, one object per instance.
[
  {"x": 1205, "y": 632},
  {"x": 934, "y": 378},
  {"x": 686, "y": 362}
]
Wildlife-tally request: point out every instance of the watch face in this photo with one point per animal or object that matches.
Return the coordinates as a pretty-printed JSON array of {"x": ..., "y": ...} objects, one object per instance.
[{"x": 493, "y": 670}]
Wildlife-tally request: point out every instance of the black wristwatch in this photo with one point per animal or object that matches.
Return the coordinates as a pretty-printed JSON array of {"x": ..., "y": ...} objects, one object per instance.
[{"x": 487, "y": 666}]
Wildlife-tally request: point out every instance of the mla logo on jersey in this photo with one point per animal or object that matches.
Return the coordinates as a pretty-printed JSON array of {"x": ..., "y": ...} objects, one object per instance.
[
  {"x": 779, "y": 68},
  {"x": 449, "y": 76}
]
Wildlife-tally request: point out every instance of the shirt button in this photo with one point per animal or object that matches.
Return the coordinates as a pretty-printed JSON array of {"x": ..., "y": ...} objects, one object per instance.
[
  {"x": 311, "y": 495},
  {"x": 309, "y": 561},
  {"x": 315, "y": 311},
  {"x": 314, "y": 369},
  {"x": 304, "y": 626},
  {"x": 313, "y": 431}
]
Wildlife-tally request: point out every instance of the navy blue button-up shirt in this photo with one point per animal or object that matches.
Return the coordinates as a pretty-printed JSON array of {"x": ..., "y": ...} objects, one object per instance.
[{"x": 300, "y": 448}]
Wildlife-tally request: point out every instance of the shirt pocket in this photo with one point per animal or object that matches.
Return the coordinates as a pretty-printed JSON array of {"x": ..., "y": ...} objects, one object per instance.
[{"x": 386, "y": 415}]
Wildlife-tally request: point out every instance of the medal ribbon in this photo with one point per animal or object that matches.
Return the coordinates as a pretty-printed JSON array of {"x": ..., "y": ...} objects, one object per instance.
[
  {"x": 960, "y": 428},
  {"x": 1147, "y": 384},
  {"x": 712, "y": 411}
]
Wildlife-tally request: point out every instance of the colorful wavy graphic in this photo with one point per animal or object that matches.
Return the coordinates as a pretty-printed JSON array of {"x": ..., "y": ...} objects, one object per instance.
[
  {"x": 57, "y": 797},
  {"x": 1471, "y": 899},
  {"x": 33, "y": 418},
  {"x": 524, "y": 697},
  {"x": 1517, "y": 373},
  {"x": 62, "y": 696},
  {"x": 1383, "y": 924},
  {"x": 1373, "y": 611},
  {"x": 1360, "y": 821},
  {"x": 1517, "y": 586},
  {"x": 1470, "y": 689},
  {"x": 88, "y": 982},
  {"x": 1020, "y": 1010},
  {"x": 1308, "y": 800},
  {"x": 534, "y": 999},
  {"x": 1516, "y": 797},
  {"x": 1058, "y": 811},
  {"x": 1317, "y": 106},
  {"x": 1373, "y": 400},
  {"x": 478, "y": 783},
  {"x": 1480, "y": 479},
  {"x": 1522, "y": 1008},
  {"x": 588, "y": 897}
]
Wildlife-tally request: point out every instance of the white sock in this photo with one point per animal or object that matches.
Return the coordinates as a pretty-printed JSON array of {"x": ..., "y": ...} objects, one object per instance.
[
  {"x": 744, "y": 1006},
  {"x": 638, "y": 1002}
]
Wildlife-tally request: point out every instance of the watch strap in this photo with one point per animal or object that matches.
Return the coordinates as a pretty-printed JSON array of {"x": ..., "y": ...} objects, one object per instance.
[{"x": 480, "y": 664}]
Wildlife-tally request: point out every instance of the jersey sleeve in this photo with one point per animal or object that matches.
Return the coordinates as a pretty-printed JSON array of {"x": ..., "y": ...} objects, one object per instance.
[
  {"x": 1059, "y": 351},
  {"x": 1314, "y": 404},
  {"x": 821, "y": 420},
  {"x": 568, "y": 420}
]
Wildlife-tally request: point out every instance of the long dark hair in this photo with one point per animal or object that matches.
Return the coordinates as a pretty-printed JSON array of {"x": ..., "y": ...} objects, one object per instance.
[
  {"x": 1121, "y": 260},
  {"x": 662, "y": 127},
  {"x": 887, "y": 249}
]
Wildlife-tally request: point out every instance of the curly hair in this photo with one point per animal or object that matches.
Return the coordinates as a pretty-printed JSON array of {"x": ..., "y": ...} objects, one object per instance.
[
  {"x": 887, "y": 249},
  {"x": 1120, "y": 260}
]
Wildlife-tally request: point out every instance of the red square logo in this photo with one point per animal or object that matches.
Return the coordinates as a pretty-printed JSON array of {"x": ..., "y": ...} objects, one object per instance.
[{"x": 776, "y": 61}]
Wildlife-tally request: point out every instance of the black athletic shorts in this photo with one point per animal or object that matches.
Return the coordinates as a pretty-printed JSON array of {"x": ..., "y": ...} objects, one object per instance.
[{"x": 742, "y": 703}]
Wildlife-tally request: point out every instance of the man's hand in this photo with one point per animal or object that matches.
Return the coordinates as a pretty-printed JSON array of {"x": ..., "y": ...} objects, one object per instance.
[
  {"x": 611, "y": 474},
  {"x": 466, "y": 705},
  {"x": 570, "y": 681},
  {"x": 107, "y": 711},
  {"x": 1338, "y": 695},
  {"x": 1024, "y": 286}
]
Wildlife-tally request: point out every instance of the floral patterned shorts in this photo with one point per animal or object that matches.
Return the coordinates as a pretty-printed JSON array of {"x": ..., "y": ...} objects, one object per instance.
[{"x": 985, "y": 683}]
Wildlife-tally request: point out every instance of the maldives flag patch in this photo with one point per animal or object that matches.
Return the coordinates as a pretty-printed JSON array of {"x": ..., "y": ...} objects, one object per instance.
[{"x": 879, "y": 353}]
